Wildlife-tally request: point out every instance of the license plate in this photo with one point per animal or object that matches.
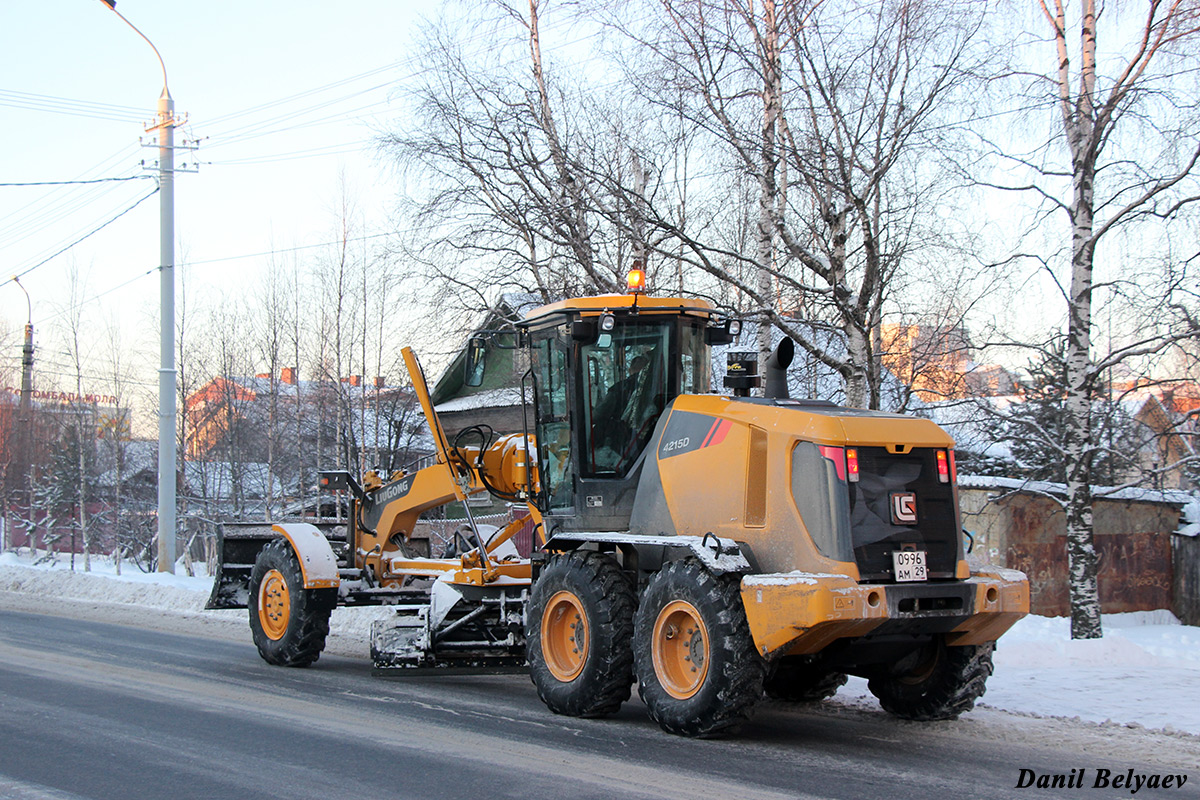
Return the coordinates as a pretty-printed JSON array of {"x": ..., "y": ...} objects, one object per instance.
[{"x": 910, "y": 565}]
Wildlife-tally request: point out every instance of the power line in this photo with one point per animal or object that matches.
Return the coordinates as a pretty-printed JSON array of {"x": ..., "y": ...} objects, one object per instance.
[
  {"x": 79, "y": 183},
  {"x": 286, "y": 249},
  {"x": 55, "y": 204},
  {"x": 43, "y": 320},
  {"x": 81, "y": 238},
  {"x": 86, "y": 199},
  {"x": 63, "y": 105},
  {"x": 95, "y": 297}
]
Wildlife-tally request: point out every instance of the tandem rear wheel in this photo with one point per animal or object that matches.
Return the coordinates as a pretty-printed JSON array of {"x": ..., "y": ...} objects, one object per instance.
[
  {"x": 289, "y": 623},
  {"x": 698, "y": 671},
  {"x": 578, "y": 631},
  {"x": 937, "y": 682}
]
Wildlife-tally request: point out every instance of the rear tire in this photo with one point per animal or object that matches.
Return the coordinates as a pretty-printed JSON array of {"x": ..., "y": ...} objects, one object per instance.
[
  {"x": 698, "y": 670},
  {"x": 289, "y": 623},
  {"x": 794, "y": 681},
  {"x": 942, "y": 683},
  {"x": 579, "y": 625}
]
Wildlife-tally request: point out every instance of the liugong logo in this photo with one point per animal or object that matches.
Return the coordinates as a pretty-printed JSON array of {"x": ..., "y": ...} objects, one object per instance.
[{"x": 904, "y": 508}]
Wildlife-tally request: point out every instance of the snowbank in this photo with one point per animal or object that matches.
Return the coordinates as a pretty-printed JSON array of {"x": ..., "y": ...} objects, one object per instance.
[
  {"x": 177, "y": 595},
  {"x": 1145, "y": 671}
]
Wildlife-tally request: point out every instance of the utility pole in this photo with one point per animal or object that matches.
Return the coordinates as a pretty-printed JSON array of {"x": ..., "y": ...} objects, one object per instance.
[
  {"x": 25, "y": 414},
  {"x": 165, "y": 125}
]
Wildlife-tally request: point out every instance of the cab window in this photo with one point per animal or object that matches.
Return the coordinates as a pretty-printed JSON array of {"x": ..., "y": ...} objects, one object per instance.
[{"x": 626, "y": 379}]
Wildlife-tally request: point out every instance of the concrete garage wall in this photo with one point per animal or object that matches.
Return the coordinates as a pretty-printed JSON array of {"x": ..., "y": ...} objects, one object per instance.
[{"x": 1027, "y": 531}]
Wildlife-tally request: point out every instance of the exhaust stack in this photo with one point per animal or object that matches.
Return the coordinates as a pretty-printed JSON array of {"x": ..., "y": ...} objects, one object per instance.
[{"x": 776, "y": 370}]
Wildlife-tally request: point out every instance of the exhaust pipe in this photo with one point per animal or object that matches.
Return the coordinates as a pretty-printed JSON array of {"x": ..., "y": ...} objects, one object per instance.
[{"x": 776, "y": 369}]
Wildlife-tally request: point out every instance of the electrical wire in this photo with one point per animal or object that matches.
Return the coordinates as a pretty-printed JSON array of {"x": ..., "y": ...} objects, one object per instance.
[
  {"x": 52, "y": 206},
  {"x": 80, "y": 183},
  {"x": 63, "y": 105},
  {"x": 82, "y": 238},
  {"x": 274, "y": 125},
  {"x": 313, "y": 152},
  {"x": 89, "y": 202},
  {"x": 295, "y": 249},
  {"x": 180, "y": 265},
  {"x": 59, "y": 210}
]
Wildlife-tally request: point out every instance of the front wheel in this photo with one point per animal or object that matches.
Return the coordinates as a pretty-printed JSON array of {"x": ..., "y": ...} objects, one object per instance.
[
  {"x": 579, "y": 623},
  {"x": 699, "y": 673},
  {"x": 935, "y": 683},
  {"x": 289, "y": 623}
]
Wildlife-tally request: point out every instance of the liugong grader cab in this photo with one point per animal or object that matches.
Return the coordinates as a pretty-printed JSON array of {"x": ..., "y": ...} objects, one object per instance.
[{"x": 714, "y": 545}]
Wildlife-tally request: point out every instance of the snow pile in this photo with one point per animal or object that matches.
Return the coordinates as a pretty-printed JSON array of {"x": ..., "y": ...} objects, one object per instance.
[
  {"x": 102, "y": 585},
  {"x": 1144, "y": 672},
  {"x": 178, "y": 594}
]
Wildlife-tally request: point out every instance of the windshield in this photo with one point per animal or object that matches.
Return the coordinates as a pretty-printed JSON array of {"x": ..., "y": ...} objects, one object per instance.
[{"x": 625, "y": 389}]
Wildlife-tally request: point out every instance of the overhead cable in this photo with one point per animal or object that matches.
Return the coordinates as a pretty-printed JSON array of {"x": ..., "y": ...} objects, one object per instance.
[
  {"x": 91, "y": 233},
  {"x": 80, "y": 183}
]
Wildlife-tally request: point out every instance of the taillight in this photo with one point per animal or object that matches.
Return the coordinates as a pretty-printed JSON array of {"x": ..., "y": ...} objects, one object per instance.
[
  {"x": 837, "y": 456},
  {"x": 953, "y": 469},
  {"x": 852, "y": 464},
  {"x": 943, "y": 464}
]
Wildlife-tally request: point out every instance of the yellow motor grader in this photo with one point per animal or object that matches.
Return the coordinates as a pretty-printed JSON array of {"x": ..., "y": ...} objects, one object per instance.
[{"x": 711, "y": 546}]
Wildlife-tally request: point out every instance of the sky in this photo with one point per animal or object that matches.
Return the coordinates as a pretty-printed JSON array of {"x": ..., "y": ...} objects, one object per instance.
[{"x": 284, "y": 100}]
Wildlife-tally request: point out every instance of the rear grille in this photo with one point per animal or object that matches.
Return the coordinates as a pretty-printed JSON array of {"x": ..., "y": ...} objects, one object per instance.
[{"x": 875, "y": 534}]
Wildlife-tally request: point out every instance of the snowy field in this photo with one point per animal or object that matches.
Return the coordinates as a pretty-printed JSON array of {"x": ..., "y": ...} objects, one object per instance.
[{"x": 1145, "y": 672}]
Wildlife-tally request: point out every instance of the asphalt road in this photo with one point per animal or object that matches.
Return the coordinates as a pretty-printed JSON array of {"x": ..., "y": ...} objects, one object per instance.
[{"x": 95, "y": 710}]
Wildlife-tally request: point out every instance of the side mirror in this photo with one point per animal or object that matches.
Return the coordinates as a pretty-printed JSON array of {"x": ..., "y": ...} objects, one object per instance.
[{"x": 476, "y": 361}]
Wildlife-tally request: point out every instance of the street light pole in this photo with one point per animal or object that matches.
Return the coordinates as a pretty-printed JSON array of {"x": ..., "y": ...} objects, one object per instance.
[{"x": 166, "y": 372}]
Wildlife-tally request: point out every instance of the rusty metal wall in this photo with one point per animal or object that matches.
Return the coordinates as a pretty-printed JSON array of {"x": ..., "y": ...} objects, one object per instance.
[
  {"x": 1186, "y": 552},
  {"x": 1133, "y": 539}
]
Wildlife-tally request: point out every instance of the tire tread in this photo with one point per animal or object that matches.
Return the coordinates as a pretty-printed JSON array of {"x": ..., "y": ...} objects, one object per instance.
[
  {"x": 958, "y": 682},
  {"x": 606, "y": 681},
  {"x": 308, "y": 626}
]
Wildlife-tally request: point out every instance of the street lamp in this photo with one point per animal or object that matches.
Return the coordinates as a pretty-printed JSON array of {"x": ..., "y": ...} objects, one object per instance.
[{"x": 165, "y": 126}]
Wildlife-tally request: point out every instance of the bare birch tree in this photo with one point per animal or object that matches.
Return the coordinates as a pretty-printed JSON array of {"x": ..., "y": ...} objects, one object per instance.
[
  {"x": 839, "y": 115},
  {"x": 510, "y": 155},
  {"x": 1120, "y": 166}
]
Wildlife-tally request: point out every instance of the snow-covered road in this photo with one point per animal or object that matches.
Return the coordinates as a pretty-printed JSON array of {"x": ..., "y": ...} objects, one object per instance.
[{"x": 1144, "y": 673}]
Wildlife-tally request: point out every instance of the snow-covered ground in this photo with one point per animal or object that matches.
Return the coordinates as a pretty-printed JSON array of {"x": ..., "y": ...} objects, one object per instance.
[{"x": 1144, "y": 672}]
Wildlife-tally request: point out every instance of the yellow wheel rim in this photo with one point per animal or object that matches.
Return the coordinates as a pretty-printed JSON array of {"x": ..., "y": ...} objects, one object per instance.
[
  {"x": 564, "y": 636},
  {"x": 274, "y": 605},
  {"x": 680, "y": 649}
]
